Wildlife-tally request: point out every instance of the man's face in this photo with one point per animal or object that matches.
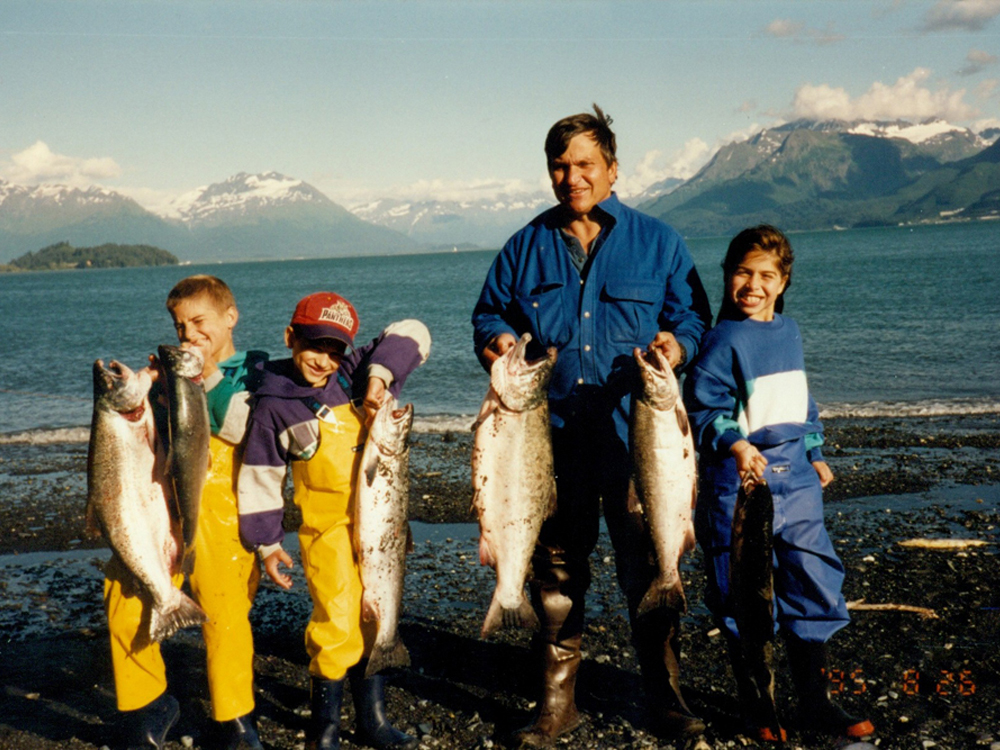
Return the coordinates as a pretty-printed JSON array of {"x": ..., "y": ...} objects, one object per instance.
[{"x": 581, "y": 178}]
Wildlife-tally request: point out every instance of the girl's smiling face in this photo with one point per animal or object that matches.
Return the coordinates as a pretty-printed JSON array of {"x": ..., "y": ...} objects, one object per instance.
[{"x": 755, "y": 284}]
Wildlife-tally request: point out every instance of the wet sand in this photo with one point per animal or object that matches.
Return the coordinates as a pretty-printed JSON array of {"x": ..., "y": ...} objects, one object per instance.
[{"x": 920, "y": 680}]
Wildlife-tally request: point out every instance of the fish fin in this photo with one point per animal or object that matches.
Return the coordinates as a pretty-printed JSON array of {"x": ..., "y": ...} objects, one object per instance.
[
  {"x": 410, "y": 546},
  {"x": 371, "y": 470},
  {"x": 187, "y": 561},
  {"x": 633, "y": 504},
  {"x": 486, "y": 556},
  {"x": 163, "y": 624},
  {"x": 550, "y": 510},
  {"x": 93, "y": 525},
  {"x": 663, "y": 594},
  {"x": 369, "y": 610},
  {"x": 388, "y": 656},
  {"x": 490, "y": 404},
  {"x": 497, "y": 616}
]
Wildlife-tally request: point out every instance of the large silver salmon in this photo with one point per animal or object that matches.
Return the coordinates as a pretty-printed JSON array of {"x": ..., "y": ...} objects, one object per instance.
[
  {"x": 126, "y": 497},
  {"x": 751, "y": 581},
  {"x": 513, "y": 481},
  {"x": 382, "y": 532},
  {"x": 663, "y": 475},
  {"x": 188, "y": 437}
]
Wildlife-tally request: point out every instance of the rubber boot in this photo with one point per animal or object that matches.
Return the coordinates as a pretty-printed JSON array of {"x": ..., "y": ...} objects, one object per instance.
[
  {"x": 657, "y": 647},
  {"x": 557, "y": 597},
  {"x": 809, "y": 663},
  {"x": 147, "y": 727},
  {"x": 757, "y": 709},
  {"x": 239, "y": 734},
  {"x": 324, "y": 726},
  {"x": 373, "y": 727}
]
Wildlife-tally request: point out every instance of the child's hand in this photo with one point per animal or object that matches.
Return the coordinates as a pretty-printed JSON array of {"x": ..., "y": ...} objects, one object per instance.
[
  {"x": 497, "y": 348},
  {"x": 824, "y": 471},
  {"x": 374, "y": 398},
  {"x": 748, "y": 459},
  {"x": 271, "y": 562}
]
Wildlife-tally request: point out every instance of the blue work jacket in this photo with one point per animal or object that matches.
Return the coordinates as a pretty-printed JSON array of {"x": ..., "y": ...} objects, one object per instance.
[{"x": 640, "y": 281}]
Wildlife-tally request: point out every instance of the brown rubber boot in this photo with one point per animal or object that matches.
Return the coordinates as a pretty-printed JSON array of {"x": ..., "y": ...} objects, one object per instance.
[
  {"x": 557, "y": 596},
  {"x": 655, "y": 636},
  {"x": 557, "y": 714}
]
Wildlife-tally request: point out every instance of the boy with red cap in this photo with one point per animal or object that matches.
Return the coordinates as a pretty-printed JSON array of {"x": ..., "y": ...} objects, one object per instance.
[{"x": 311, "y": 412}]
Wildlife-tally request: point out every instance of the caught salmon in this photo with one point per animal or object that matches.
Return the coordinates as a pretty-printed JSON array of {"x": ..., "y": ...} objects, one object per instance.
[
  {"x": 382, "y": 531},
  {"x": 513, "y": 481},
  {"x": 127, "y": 497}
]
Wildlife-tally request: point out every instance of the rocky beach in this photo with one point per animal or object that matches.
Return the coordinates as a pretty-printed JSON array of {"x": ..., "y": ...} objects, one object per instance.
[{"x": 926, "y": 679}]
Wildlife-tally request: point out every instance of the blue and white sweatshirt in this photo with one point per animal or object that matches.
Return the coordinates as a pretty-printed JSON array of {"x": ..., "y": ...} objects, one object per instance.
[
  {"x": 749, "y": 382},
  {"x": 284, "y": 426}
]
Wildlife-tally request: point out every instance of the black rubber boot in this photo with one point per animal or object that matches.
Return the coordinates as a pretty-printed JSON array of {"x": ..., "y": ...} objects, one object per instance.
[
  {"x": 147, "y": 727},
  {"x": 324, "y": 726},
  {"x": 373, "y": 726},
  {"x": 239, "y": 734},
  {"x": 808, "y": 663}
]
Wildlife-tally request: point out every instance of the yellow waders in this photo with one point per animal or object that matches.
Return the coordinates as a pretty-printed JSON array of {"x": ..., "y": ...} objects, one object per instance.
[
  {"x": 336, "y": 638},
  {"x": 224, "y": 582}
]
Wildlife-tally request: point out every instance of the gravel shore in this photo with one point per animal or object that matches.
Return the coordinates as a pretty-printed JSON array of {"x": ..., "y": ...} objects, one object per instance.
[{"x": 925, "y": 682}]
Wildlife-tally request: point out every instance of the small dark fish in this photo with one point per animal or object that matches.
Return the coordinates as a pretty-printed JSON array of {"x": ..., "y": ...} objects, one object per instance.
[
  {"x": 188, "y": 437},
  {"x": 751, "y": 581}
]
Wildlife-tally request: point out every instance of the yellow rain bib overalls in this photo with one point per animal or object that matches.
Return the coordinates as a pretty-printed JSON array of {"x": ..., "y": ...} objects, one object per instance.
[
  {"x": 224, "y": 582},
  {"x": 336, "y": 638}
]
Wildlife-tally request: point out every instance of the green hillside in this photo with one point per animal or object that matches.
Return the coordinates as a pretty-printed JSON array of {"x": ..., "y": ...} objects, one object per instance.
[{"x": 62, "y": 256}]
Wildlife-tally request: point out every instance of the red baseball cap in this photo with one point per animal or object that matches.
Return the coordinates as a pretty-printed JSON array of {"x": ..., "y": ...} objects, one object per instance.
[{"x": 325, "y": 315}]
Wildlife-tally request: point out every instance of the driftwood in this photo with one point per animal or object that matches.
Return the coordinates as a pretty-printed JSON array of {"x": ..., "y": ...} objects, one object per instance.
[
  {"x": 860, "y": 605},
  {"x": 942, "y": 544}
]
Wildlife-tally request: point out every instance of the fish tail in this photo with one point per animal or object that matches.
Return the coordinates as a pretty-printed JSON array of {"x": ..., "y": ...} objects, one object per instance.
[
  {"x": 498, "y": 616},
  {"x": 187, "y": 560},
  {"x": 663, "y": 594},
  {"x": 163, "y": 623},
  {"x": 387, "y": 656}
]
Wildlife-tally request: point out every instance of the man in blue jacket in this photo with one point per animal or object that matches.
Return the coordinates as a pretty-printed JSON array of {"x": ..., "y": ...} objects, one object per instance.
[{"x": 595, "y": 279}]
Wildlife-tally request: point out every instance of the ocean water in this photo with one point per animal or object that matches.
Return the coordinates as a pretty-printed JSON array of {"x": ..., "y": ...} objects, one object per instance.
[{"x": 895, "y": 321}]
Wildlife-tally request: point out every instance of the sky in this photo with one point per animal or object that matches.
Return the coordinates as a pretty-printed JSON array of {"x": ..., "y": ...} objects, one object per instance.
[{"x": 424, "y": 99}]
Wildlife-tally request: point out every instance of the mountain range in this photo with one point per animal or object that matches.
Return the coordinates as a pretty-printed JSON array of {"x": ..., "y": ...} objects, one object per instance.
[{"x": 800, "y": 175}]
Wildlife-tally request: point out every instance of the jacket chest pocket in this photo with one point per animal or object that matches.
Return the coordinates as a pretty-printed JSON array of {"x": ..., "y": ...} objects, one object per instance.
[
  {"x": 631, "y": 309},
  {"x": 544, "y": 312}
]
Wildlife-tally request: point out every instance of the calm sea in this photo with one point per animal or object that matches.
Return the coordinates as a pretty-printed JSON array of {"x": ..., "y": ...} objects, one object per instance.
[{"x": 896, "y": 321}]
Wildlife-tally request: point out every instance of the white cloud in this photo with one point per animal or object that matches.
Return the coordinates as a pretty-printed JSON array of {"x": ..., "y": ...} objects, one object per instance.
[
  {"x": 977, "y": 61},
  {"x": 908, "y": 98},
  {"x": 968, "y": 15},
  {"x": 38, "y": 163},
  {"x": 350, "y": 194},
  {"x": 783, "y": 28},
  {"x": 653, "y": 167}
]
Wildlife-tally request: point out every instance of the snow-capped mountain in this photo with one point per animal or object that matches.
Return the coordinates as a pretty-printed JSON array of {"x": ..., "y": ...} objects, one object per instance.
[{"x": 484, "y": 222}]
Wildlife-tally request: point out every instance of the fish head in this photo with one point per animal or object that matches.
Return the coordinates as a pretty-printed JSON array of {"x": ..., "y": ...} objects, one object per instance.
[
  {"x": 390, "y": 429},
  {"x": 522, "y": 384},
  {"x": 118, "y": 388},
  {"x": 187, "y": 363},
  {"x": 659, "y": 384}
]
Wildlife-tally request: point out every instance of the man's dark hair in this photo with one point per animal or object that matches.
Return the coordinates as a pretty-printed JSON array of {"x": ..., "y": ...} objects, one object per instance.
[{"x": 598, "y": 128}]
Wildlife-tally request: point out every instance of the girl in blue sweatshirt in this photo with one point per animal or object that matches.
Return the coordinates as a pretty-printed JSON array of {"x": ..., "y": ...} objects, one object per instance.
[{"x": 752, "y": 414}]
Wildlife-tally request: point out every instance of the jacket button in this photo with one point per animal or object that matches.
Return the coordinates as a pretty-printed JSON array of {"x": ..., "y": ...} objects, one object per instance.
[
  {"x": 586, "y": 347},
  {"x": 586, "y": 314},
  {"x": 534, "y": 304}
]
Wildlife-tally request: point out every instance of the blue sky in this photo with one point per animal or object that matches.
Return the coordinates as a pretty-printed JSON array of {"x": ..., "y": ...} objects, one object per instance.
[{"x": 448, "y": 99}]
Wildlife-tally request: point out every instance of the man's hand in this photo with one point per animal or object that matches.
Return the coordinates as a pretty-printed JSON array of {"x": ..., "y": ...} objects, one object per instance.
[
  {"x": 669, "y": 347},
  {"x": 749, "y": 460},
  {"x": 375, "y": 396},
  {"x": 271, "y": 562},
  {"x": 497, "y": 348}
]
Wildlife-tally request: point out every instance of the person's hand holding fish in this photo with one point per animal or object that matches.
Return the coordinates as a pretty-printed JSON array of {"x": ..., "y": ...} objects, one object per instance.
[{"x": 748, "y": 459}]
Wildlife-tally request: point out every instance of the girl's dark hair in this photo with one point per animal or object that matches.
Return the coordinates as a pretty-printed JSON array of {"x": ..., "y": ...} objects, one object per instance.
[
  {"x": 767, "y": 239},
  {"x": 597, "y": 127}
]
